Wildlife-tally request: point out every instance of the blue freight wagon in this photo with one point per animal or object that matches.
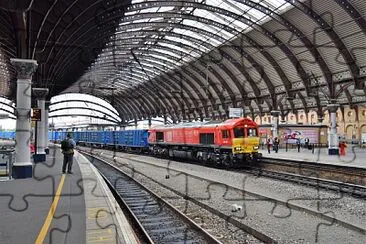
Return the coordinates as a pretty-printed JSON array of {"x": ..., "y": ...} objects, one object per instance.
[{"x": 133, "y": 138}]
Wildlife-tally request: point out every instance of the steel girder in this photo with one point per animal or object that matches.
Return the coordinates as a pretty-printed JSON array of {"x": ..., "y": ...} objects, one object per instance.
[
  {"x": 265, "y": 77},
  {"x": 224, "y": 12},
  {"x": 89, "y": 116},
  {"x": 333, "y": 36},
  {"x": 237, "y": 83},
  {"x": 86, "y": 102},
  {"x": 224, "y": 68},
  {"x": 83, "y": 108}
]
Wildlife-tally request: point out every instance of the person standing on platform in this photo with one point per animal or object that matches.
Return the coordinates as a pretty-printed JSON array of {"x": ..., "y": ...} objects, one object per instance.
[
  {"x": 67, "y": 147},
  {"x": 306, "y": 141},
  {"x": 342, "y": 147},
  {"x": 276, "y": 144},
  {"x": 269, "y": 145},
  {"x": 298, "y": 144}
]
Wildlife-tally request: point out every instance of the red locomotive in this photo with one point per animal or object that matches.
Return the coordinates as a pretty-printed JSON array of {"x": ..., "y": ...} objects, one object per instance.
[{"x": 235, "y": 140}]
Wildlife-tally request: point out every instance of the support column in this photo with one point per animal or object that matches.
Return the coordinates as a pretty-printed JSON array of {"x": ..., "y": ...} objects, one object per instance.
[
  {"x": 46, "y": 111},
  {"x": 320, "y": 117},
  {"x": 25, "y": 68},
  {"x": 333, "y": 142},
  {"x": 40, "y": 155},
  {"x": 275, "y": 115},
  {"x": 149, "y": 122}
]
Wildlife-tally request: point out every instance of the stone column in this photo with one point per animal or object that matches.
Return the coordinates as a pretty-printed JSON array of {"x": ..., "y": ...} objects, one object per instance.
[
  {"x": 46, "y": 129},
  {"x": 40, "y": 94},
  {"x": 25, "y": 68},
  {"x": 275, "y": 115},
  {"x": 333, "y": 142}
]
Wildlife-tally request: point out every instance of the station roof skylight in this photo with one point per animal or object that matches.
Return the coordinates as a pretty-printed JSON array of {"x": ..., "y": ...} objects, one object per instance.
[{"x": 172, "y": 32}]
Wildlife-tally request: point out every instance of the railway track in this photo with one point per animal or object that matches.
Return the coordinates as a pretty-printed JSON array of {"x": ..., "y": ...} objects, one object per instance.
[
  {"x": 159, "y": 221},
  {"x": 256, "y": 233},
  {"x": 347, "y": 180}
]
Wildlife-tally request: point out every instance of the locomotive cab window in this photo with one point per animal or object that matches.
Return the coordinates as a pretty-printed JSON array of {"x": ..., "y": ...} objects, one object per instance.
[
  {"x": 252, "y": 132},
  {"x": 160, "y": 136},
  {"x": 225, "y": 134},
  {"x": 239, "y": 132}
]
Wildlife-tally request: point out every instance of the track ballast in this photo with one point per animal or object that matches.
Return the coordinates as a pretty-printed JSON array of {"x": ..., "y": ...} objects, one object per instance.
[{"x": 159, "y": 220}]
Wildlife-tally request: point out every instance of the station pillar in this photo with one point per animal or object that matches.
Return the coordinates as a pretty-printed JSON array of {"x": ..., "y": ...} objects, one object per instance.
[
  {"x": 149, "y": 122},
  {"x": 25, "y": 68},
  {"x": 333, "y": 142},
  {"x": 40, "y": 155},
  {"x": 46, "y": 111},
  {"x": 275, "y": 115}
]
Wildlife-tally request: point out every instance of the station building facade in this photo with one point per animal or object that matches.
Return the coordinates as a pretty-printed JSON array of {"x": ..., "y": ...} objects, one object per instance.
[{"x": 351, "y": 122}]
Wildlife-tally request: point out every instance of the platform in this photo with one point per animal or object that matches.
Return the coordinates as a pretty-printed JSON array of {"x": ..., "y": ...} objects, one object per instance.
[
  {"x": 355, "y": 155},
  {"x": 84, "y": 208}
]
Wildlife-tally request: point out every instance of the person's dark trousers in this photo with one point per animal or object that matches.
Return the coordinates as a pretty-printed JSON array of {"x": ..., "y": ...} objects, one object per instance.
[{"x": 68, "y": 159}]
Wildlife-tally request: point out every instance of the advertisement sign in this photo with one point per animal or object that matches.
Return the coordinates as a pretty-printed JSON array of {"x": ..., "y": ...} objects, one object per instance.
[{"x": 291, "y": 135}]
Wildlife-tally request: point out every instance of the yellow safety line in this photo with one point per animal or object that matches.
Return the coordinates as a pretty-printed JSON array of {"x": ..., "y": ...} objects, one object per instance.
[{"x": 42, "y": 234}]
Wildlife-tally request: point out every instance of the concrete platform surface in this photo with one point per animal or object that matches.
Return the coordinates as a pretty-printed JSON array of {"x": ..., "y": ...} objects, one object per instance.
[
  {"x": 355, "y": 155},
  {"x": 53, "y": 207}
]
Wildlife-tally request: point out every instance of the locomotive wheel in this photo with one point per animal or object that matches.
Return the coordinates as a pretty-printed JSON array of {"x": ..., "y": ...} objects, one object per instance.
[{"x": 227, "y": 161}]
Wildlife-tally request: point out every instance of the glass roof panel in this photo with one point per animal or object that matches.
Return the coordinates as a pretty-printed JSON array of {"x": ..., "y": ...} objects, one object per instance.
[
  {"x": 165, "y": 52},
  {"x": 149, "y": 10},
  {"x": 175, "y": 47},
  {"x": 165, "y": 9},
  {"x": 208, "y": 37},
  {"x": 187, "y": 42},
  {"x": 189, "y": 33},
  {"x": 257, "y": 14}
]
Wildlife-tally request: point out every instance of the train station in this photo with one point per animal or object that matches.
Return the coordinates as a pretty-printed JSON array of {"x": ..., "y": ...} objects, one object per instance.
[{"x": 215, "y": 121}]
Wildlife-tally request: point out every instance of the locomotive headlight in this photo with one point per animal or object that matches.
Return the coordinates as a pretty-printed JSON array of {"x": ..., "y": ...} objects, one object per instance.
[
  {"x": 255, "y": 147},
  {"x": 237, "y": 148}
]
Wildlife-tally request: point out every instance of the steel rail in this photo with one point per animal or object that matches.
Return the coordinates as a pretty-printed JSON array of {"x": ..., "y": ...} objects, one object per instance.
[
  {"x": 256, "y": 233},
  {"x": 167, "y": 222}
]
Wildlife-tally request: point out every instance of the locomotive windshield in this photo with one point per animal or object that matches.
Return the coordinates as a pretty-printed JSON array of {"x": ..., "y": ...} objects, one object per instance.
[
  {"x": 252, "y": 132},
  {"x": 239, "y": 132}
]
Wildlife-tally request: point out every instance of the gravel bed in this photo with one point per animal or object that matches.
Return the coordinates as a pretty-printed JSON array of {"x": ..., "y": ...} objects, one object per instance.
[
  {"x": 216, "y": 226},
  {"x": 283, "y": 224}
]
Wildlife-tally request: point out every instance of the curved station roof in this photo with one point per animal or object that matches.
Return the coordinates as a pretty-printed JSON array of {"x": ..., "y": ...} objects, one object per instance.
[{"x": 191, "y": 59}]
